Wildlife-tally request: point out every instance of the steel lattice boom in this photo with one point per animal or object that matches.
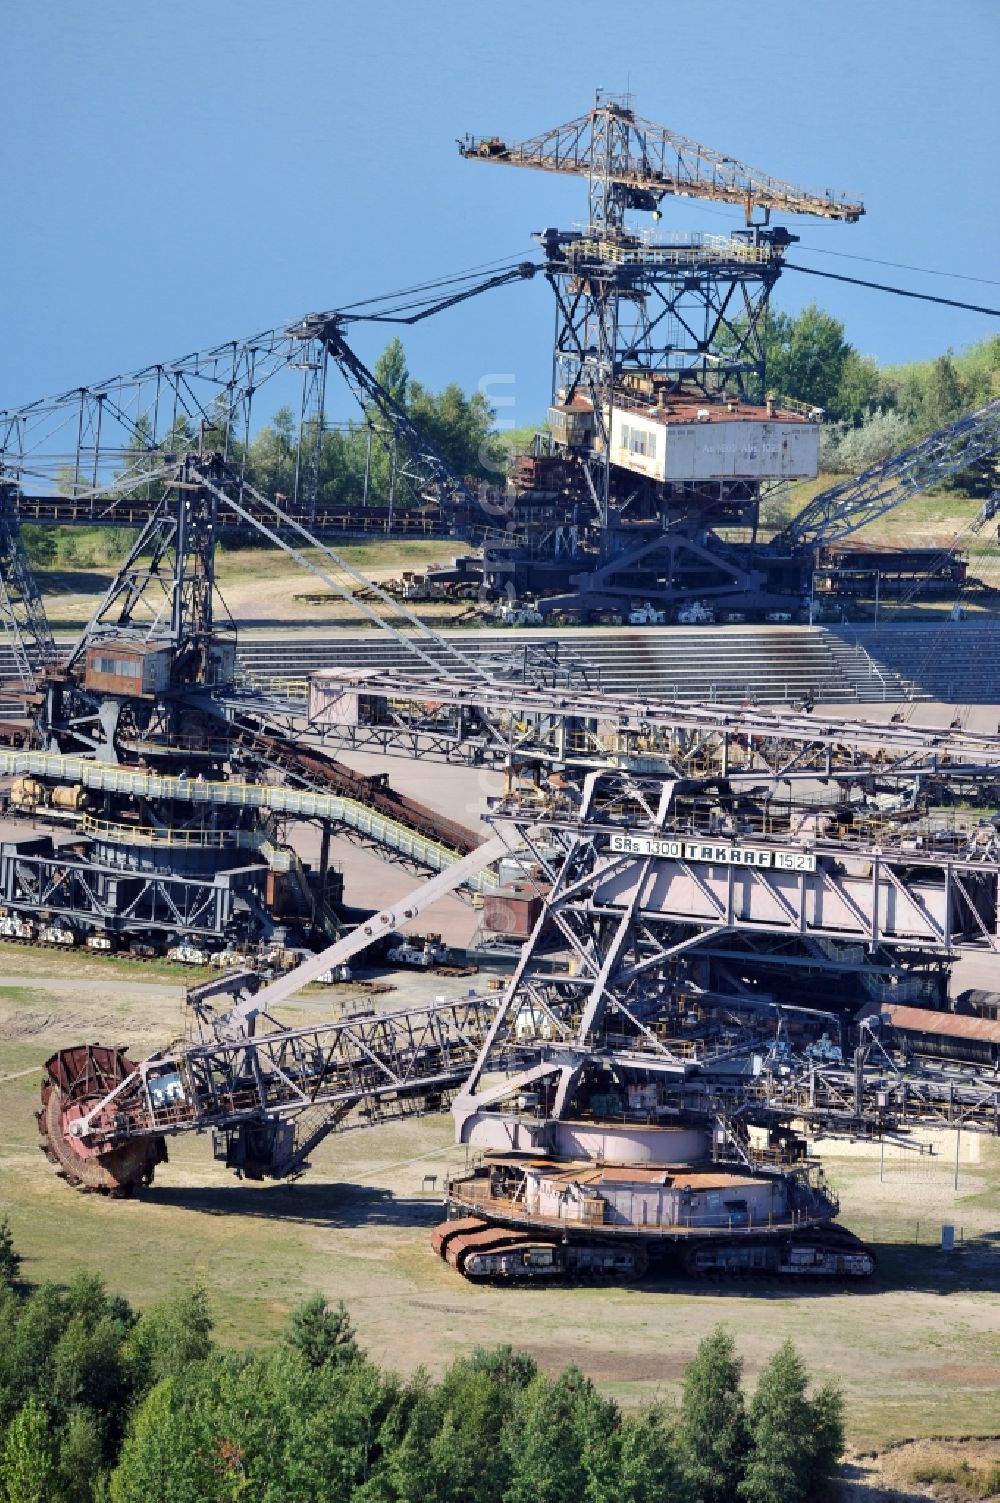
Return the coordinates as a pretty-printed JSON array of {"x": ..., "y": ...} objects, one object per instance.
[
  {"x": 22, "y": 613},
  {"x": 632, "y": 163},
  {"x": 276, "y": 1096},
  {"x": 854, "y": 503}
]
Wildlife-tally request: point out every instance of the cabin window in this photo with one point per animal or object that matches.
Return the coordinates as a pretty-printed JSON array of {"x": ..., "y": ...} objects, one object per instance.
[
  {"x": 118, "y": 667},
  {"x": 638, "y": 441}
]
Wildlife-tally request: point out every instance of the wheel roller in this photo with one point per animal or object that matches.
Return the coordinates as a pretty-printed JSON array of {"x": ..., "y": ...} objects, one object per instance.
[{"x": 75, "y": 1081}]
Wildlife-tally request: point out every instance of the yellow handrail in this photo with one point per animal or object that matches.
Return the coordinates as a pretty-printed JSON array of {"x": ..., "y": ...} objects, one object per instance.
[{"x": 101, "y": 777}]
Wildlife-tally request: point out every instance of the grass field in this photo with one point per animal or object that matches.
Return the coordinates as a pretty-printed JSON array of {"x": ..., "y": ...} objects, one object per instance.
[
  {"x": 934, "y": 515},
  {"x": 918, "y": 1349},
  {"x": 259, "y": 585}
]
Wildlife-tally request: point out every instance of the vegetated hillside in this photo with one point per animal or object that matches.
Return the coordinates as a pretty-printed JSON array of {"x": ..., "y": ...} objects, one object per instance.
[{"x": 871, "y": 412}]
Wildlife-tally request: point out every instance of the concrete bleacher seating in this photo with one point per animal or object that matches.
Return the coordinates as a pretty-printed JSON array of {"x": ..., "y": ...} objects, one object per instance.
[
  {"x": 770, "y": 665},
  {"x": 955, "y": 662}
]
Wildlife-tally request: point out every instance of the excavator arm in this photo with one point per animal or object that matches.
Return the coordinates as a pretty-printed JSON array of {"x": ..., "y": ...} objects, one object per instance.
[
  {"x": 274, "y": 1094},
  {"x": 852, "y": 504}
]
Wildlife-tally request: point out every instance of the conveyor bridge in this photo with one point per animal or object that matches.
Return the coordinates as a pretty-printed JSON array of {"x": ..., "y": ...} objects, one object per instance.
[{"x": 305, "y": 803}]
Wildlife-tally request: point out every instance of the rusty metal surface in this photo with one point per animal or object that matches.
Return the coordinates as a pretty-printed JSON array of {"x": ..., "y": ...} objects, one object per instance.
[
  {"x": 442, "y": 1234},
  {"x": 317, "y": 769},
  {"x": 74, "y": 1079},
  {"x": 489, "y": 1239},
  {"x": 954, "y": 1025}
]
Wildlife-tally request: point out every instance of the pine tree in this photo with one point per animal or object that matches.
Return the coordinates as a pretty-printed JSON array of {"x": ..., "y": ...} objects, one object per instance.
[
  {"x": 320, "y": 1334},
  {"x": 827, "y": 1438},
  {"x": 713, "y": 1431},
  {"x": 10, "y": 1258},
  {"x": 781, "y": 1433}
]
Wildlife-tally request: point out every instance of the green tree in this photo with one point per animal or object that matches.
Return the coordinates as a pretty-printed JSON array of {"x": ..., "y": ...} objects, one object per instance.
[
  {"x": 458, "y": 426},
  {"x": 29, "y": 1335},
  {"x": 88, "y": 1367},
  {"x": 648, "y": 1466},
  {"x": 391, "y": 371},
  {"x": 10, "y": 1258},
  {"x": 271, "y": 455},
  {"x": 171, "y": 1454},
  {"x": 847, "y": 449},
  {"x": 548, "y": 1453},
  {"x": 806, "y": 357},
  {"x": 26, "y": 1462},
  {"x": 478, "y": 1396},
  {"x": 320, "y": 1334},
  {"x": 859, "y": 389},
  {"x": 80, "y": 1467},
  {"x": 169, "y": 1337},
  {"x": 713, "y": 1436},
  {"x": 945, "y": 396},
  {"x": 827, "y": 1438},
  {"x": 413, "y": 1471},
  {"x": 218, "y": 433},
  {"x": 794, "y": 1442},
  {"x": 40, "y": 544}
]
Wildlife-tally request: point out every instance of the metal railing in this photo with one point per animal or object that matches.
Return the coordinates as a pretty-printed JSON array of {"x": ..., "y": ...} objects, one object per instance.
[
  {"x": 349, "y": 812},
  {"x": 154, "y": 835},
  {"x": 873, "y": 669},
  {"x": 683, "y": 250}
]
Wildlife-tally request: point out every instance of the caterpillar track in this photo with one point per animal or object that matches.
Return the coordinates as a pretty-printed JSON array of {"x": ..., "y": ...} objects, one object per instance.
[
  {"x": 483, "y": 1252},
  {"x": 74, "y": 1080}
]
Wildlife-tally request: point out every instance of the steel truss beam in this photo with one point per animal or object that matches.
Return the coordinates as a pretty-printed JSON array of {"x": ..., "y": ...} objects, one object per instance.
[
  {"x": 86, "y": 893},
  {"x": 22, "y": 613},
  {"x": 631, "y": 162},
  {"x": 445, "y": 719},
  {"x": 843, "y": 509},
  {"x": 625, "y": 921},
  {"x": 295, "y": 1085}
]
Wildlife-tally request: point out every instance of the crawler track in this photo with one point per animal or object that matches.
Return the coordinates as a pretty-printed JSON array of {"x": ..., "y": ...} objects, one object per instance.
[{"x": 488, "y": 1252}]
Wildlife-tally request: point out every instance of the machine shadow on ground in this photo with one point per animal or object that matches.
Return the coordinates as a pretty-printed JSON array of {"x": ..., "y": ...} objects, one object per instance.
[{"x": 340, "y": 1205}]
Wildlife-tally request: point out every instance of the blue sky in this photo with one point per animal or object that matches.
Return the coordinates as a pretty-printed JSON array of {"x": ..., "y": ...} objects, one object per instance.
[{"x": 178, "y": 174}]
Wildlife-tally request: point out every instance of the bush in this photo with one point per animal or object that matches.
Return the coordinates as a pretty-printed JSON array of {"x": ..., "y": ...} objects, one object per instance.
[{"x": 848, "y": 450}]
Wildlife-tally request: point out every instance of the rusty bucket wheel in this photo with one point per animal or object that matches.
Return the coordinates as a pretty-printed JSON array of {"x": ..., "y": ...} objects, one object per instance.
[{"x": 75, "y": 1080}]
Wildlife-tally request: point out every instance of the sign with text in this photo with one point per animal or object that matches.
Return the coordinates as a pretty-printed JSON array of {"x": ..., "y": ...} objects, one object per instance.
[{"x": 720, "y": 853}]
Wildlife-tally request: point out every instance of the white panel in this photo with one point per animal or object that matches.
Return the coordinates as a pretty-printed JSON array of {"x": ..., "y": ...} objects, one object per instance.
[
  {"x": 728, "y": 448},
  {"x": 742, "y": 448}
]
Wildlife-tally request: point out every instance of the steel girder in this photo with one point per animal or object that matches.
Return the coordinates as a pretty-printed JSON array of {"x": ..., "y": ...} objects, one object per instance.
[
  {"x": 22, "y": 613},
  {"x": 296, "y": 1084},
  {"x": 632, "y": 163},
  {"x": 82, "y": 891},
  {"x": 626, "y": 921},
  {"x": 445, "y": 718},
  {"x": 844, "y": 508}
]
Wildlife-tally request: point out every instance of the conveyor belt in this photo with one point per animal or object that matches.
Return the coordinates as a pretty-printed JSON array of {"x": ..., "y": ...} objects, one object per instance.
[
  {"x": 317, "y": 770},
  {"x": 351, "y": 812}
]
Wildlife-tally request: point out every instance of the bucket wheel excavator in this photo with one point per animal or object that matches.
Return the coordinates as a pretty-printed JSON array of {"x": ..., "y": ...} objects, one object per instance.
[{"x": 75, "y": 1081}]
